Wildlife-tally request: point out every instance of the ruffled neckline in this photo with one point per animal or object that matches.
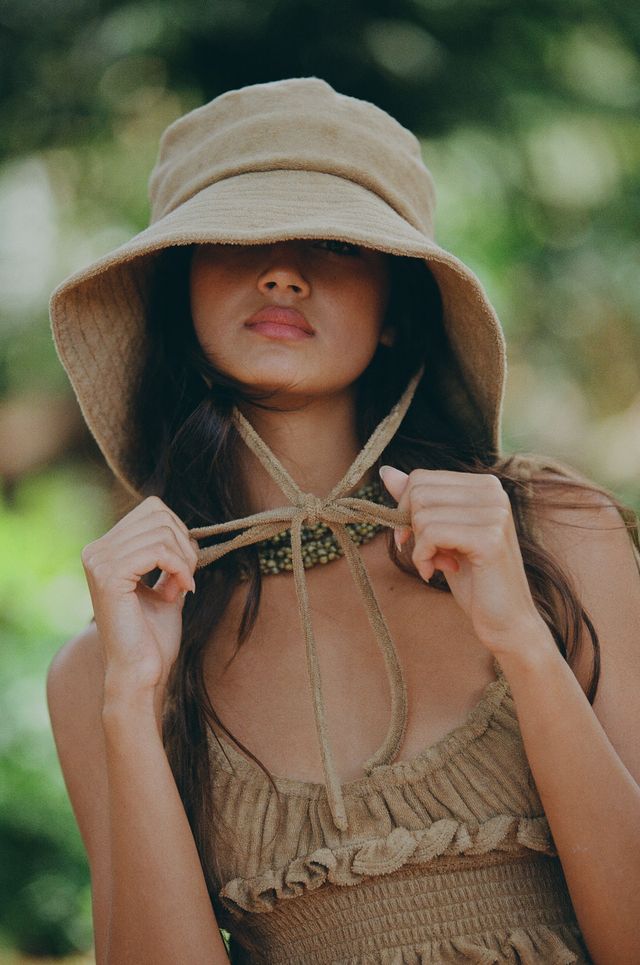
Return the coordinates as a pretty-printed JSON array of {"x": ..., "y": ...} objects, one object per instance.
[{"x": 393, "y": 774}]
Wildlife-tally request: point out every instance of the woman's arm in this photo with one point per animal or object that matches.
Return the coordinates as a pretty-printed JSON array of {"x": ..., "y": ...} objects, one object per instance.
[
  {"x": 105, "y": 691},
  {"x": 158, "y": 890},
  {"x": 590, "y": 798},
  {"x": 150, "y": 901},
  {"x": 586, "y": 761}
]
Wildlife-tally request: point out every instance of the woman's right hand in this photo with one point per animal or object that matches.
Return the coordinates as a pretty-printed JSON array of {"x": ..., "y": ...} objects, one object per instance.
[{"x": 140, "y": 627}]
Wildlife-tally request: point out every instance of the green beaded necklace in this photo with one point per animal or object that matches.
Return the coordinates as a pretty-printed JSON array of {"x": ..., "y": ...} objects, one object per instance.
[{"x": 319, "y": 544}]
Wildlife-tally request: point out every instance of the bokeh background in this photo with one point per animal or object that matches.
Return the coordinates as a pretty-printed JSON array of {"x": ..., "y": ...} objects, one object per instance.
[{"x": 529, "y": 114}]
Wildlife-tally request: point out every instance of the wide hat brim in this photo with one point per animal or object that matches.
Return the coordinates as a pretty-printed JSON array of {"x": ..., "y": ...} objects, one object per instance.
[{"x": 98, "y": 314}]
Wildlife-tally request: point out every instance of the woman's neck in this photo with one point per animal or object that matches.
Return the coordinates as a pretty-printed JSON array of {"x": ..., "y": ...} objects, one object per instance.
[{"x": 316, "y": 443}]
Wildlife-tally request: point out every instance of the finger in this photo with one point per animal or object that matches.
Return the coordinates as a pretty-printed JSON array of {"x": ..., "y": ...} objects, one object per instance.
[
  {"x": 425, "y": 516},
  {"x": 451, "y": 477},
  {"x": 157, "y": 526},
  {"x": 125, "y": 572},
  {"x": 429, "y": 493},
  {"x": 169, "y": 562},
  {"x": 150, "y": 506},
  {"x": 424, "y": 488},
  {"x": 168, "y": 587},
  {"x": 396, "y": 482},
  {"x": 477, "y": 542},
  {"x": 445, "y": 560},
  {"x": 464, "y": 499},
  {"x": 164, "y": 536}
]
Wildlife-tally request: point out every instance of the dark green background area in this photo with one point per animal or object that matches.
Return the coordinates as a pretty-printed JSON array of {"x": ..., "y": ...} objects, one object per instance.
[{"x": 529, "y": 115}]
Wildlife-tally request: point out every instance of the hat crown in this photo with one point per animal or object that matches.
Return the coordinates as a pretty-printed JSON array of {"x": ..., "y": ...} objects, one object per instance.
[{"x": 301, "y": 124}]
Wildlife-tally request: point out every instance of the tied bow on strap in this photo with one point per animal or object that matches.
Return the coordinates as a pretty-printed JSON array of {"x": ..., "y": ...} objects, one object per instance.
[{"x": 335, "y": 510}]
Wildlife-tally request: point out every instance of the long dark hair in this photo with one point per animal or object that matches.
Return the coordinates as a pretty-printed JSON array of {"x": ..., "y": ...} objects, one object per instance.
[{"x": 184, "y": 407}]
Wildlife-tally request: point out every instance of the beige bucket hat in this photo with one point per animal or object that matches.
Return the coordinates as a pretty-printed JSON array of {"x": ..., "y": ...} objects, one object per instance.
[
  {"x": 283, "y": 160},
  {"x": 287, "y": 160}
]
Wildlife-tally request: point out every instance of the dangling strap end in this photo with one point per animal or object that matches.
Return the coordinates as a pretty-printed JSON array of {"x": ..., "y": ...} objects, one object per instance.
[
  {"x": 336, "y": 806},
  {"x": 369, "y": 765}
]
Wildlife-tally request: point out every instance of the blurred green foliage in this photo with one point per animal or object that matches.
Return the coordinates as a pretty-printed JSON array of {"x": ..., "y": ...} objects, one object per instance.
[
  {"x": 530, "y": 121},
  {"x": 44, "y": 884}
]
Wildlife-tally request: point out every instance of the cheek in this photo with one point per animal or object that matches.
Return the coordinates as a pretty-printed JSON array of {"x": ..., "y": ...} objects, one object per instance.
[
  {"x": 209, "y": 306},
  {"x": 358, "y": 339},
  {"x": 375, "y": 290},
  {"x": 366, "y": 315},
  {"x": 200, "y": 297},
  {"x": 197, "y": 316}
]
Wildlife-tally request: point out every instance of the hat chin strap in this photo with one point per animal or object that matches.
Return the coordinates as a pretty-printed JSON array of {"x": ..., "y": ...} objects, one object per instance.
[{"x": 334, "y": 510}]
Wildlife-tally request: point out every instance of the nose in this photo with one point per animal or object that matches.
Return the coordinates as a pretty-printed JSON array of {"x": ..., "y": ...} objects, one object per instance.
[{"x": 284, "y": 272}]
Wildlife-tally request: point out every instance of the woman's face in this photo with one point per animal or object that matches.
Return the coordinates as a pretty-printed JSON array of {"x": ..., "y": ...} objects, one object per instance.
[{"x": 299, "y": 317}]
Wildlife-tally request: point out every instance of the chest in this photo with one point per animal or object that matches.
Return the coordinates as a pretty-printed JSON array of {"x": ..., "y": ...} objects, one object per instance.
[{"x": 262, "y": 692}]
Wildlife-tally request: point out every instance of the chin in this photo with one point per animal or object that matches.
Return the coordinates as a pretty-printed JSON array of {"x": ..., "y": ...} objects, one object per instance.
[
  {"x": 293, "y": 389},
  {"x": 290, "y": 380}
]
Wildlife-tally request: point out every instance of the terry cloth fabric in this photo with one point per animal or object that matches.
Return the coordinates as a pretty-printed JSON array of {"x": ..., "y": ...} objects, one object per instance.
[{"x": 448, "y": 858}]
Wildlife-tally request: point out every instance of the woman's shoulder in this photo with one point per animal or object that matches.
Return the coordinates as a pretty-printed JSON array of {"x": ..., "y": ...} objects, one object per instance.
[
  {"x": 593, "y": 536},
  {"x": 569, "y": 511},
  {"x": 76, "y": 669},
  {"x": 578, "y": 519}
]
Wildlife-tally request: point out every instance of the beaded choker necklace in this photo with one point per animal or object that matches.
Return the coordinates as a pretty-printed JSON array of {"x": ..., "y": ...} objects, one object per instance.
[{"x": 319, "y": 544}]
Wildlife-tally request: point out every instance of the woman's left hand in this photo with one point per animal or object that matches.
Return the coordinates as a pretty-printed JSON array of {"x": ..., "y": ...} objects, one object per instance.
[{"x": 462, "y": 524}]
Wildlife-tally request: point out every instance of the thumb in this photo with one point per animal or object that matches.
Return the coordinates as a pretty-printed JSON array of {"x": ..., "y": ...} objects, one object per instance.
[
  {"x": 395, "y": 480},
  {"x": 169, "y": 589}
]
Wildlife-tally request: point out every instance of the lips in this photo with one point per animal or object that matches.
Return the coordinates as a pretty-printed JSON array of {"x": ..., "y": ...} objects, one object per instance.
[{"x": 279, "y": 315}]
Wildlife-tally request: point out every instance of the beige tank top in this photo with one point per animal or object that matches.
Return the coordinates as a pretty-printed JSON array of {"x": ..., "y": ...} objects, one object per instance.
[{"x": 448, "y": 857}]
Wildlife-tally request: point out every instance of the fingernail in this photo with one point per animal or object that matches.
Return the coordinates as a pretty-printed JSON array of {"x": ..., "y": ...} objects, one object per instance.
[
  {"x": 383, "y": 469},
  {"x": 402, "y": 535}
]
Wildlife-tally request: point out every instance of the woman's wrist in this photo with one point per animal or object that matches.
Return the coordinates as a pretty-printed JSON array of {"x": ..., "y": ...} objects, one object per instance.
[
  {"x": 129, "y": 704},
  {"x": 529, "y": 649}
]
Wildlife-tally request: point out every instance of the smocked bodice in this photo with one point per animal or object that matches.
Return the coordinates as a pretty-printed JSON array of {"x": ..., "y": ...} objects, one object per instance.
[{"x": 447, "y": 858}]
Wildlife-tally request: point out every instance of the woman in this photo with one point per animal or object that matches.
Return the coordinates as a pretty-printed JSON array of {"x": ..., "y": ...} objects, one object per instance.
[{"x": 285, "y": 334}]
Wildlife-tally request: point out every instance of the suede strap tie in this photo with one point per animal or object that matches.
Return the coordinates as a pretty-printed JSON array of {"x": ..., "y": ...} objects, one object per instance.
[{"x": 334, "y": 510}]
